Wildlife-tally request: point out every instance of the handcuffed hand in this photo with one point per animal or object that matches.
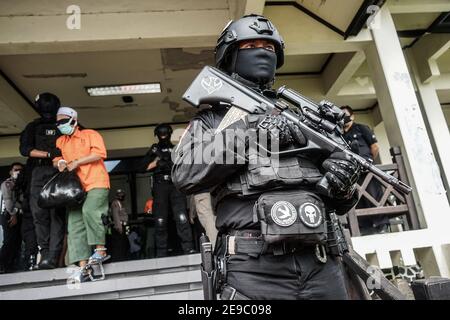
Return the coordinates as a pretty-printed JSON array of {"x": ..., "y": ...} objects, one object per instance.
[
  {"x": 342, "y": 173},
  {"x": 62, "y": 165},
  {"x": 72, "y": 165}
]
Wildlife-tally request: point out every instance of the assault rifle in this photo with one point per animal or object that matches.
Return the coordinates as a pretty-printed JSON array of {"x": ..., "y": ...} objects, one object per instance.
[
  {"x": 320, "y": 123},
  {"x": 322, "y": 126}
]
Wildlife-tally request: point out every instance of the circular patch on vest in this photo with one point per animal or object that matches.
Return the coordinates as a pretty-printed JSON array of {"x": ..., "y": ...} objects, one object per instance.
[
  {"x": 310, "y": 214},
  {"x": 283, "y": 213}
]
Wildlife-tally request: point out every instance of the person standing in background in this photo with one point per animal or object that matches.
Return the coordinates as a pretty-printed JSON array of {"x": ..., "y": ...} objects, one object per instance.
[
  {"x": 10, "y": 220},
  {"x": 166, "y": 197},
  {"x": 38, "y": 143},
  {"x": 364, "y": 142},
  {"x": 205, "y": 213},
  {"x": 119, "y": 247}
]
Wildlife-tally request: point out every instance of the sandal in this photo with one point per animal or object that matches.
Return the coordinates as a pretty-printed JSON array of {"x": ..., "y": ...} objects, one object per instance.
[{"x": 97, "y": 258}]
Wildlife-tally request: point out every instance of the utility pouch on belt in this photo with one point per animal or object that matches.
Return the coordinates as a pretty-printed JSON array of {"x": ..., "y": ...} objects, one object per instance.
[{"x": 296, "y": 215}]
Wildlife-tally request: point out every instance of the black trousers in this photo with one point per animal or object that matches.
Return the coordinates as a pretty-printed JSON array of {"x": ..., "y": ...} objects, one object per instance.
[
  {"x": 12, "y": 242},
  {"x": 49, "y": 224},
  {"x": 295, "y": 276},
  {"x": 165, "y": 198},
  {"x": 118, "y": 246},
  {"x": 28, "y": 231}
]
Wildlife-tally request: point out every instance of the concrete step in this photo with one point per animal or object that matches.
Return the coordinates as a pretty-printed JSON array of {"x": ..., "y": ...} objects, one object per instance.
[{"x": 162, "y": 278}]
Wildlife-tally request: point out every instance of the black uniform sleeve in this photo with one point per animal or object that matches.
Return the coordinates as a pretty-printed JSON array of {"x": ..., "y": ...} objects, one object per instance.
[
  {"x": 27, "y": 140},
  {"x": 368, "y": 135},
  {"x": 192, "y": 171}
]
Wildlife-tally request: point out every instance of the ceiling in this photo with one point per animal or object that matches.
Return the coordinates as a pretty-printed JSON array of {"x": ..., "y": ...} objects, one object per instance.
[{"x": 67, "y": 74}]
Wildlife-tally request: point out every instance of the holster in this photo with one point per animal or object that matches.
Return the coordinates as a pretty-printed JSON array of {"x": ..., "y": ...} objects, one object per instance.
[
  {"x": 208, "y": 269},
  {"x": 208, "y": 283}
]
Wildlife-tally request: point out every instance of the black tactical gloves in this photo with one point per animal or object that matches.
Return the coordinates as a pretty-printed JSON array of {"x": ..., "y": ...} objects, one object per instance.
[
  {"x": 342, "y": 173},
  {"x": 279, "y": 128},
  {"x": 54, "y": 152}
]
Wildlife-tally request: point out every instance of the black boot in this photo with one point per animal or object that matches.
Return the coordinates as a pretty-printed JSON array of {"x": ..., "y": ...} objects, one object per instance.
[
  {"x": 31, "y": 264},
  {"x": 190, "y": 251},
  {"x": 47, "y": 262}
]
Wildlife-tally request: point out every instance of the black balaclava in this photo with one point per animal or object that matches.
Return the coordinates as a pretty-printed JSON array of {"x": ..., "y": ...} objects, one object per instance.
[
  {"x": 257, "y": 65},
  {"x": 163, "y": 130},
  {"x": 47, "y": 104}
]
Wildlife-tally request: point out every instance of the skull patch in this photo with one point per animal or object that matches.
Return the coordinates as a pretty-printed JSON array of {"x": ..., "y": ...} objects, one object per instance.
[{"x": 310, "y": 215}]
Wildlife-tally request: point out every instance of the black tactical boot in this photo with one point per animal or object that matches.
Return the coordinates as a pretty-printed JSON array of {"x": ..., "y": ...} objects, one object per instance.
[
  {"x": 31, "y": 264},
  {"x": 47, "y": 263},
  {"x": 190, "y": 251}
]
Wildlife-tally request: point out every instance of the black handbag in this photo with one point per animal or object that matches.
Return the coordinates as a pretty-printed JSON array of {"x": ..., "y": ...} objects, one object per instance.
[{"x": 64, "y": 189}]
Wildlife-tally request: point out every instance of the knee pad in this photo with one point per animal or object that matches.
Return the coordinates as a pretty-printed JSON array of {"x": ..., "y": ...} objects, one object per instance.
[
  {"x": 181, "y": 218},
  {"x": 161, "y": 223}
]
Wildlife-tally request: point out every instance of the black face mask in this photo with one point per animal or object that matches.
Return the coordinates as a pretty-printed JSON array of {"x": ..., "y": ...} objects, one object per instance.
[
  {"x": 48, "y": 117},
  {"x": 256, "y": 65},
  {"x": 164, "y": 141}
]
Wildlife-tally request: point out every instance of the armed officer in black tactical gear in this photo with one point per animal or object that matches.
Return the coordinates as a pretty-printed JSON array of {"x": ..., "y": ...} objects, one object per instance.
[
  {"x": 270, "y": 217},
  {"x": 37, "y": 142},
  {"x": 165, "y": 196}
]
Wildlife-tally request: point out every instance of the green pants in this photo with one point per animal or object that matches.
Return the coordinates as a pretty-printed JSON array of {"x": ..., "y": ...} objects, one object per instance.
[{"x": 85, "y": 226}]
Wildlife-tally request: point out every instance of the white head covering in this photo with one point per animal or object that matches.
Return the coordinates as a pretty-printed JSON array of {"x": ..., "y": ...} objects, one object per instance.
[{"x": 67, "y": 112}]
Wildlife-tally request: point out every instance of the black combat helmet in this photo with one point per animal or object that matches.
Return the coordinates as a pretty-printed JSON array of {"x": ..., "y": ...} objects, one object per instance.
[
  {"x": 163, "y": 130},
  {"x": 249, "y": 27},
  {"x": 47, "y": 104}
]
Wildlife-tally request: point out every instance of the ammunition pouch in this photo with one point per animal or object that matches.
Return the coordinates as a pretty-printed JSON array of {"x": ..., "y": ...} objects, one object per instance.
[
  {"x": 264, "y": 174},
  {"x": 292, "y": 216}
]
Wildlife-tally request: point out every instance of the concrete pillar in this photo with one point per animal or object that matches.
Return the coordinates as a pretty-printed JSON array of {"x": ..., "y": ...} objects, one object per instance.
[
  {"x": 434, "y": 119},
  {"x": 404, "y": 123}
]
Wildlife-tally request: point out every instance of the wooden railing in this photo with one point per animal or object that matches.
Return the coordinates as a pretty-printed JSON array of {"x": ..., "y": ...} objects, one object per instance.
[{"x": 392, "y": 202}]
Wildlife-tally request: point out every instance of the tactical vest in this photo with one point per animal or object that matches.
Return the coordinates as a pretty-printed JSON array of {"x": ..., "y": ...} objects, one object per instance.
[
  {"x": 265, "y": 175},
  {"x": 45, "y": 135},
  {"x": 164, "y": 152}
]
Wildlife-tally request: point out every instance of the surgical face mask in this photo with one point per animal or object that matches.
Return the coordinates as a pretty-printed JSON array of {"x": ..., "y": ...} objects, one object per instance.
[
  {"x": 256, "y": 64},
  {"x": 65, "y": 126},
  {"x": 347, "y": 119},
  {"x": 15, "y": 174}
]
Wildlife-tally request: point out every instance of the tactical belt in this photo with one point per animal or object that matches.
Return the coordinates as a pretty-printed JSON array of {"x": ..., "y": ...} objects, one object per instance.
[
  {"x": 43, "y": 162},
  {"x": 250, "y": 242},
  {"x": 163, "y": 177}
]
